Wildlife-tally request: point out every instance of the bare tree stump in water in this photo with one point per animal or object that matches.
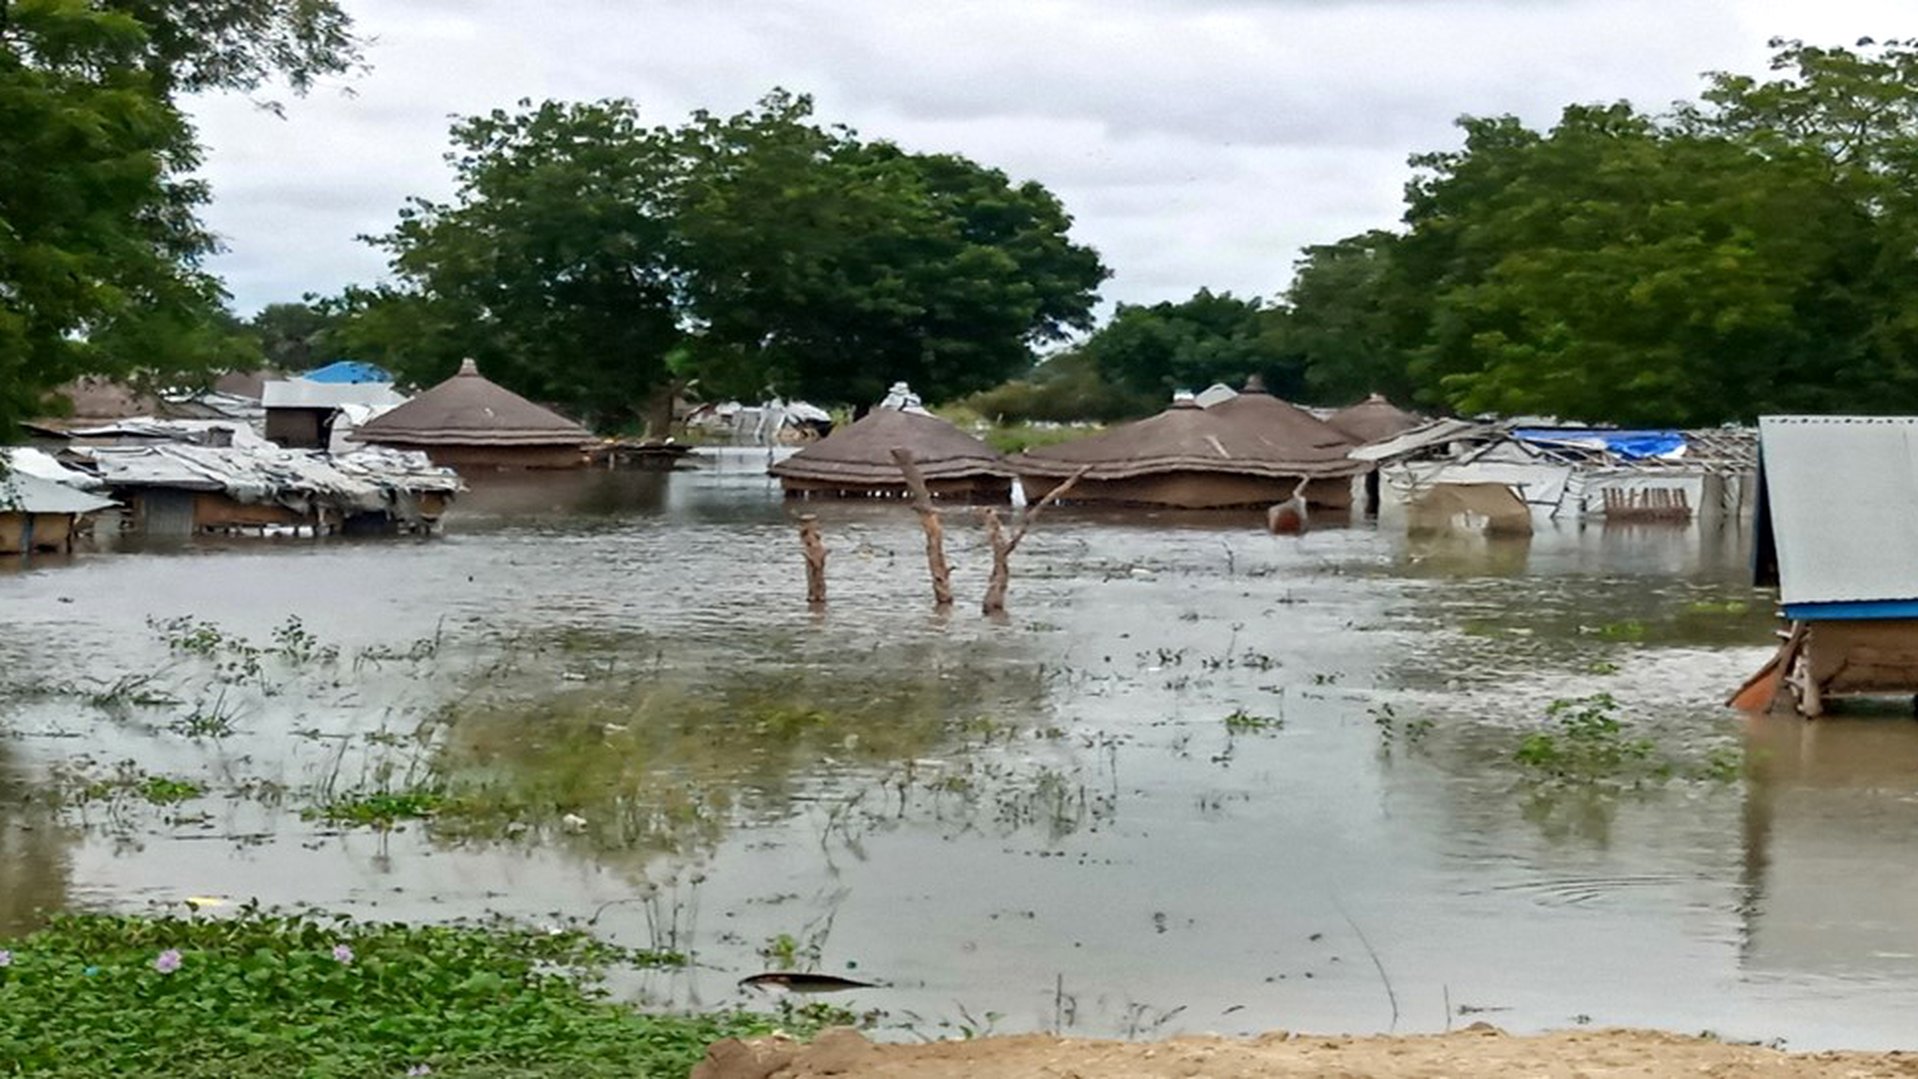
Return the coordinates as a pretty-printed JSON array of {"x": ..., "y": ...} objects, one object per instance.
[
  {"x": 815, "y": 549},
  {"x": 928, "y": 520},
  {"x": 1003, "y": 545}
]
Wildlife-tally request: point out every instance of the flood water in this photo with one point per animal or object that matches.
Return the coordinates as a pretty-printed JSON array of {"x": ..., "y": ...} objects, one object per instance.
[{"x": 1038, "y": 822}]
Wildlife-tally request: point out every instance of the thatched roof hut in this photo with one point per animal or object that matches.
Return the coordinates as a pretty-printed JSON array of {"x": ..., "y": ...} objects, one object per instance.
[
  {"x": 1248, "y": 450},
  {"x": 856, "y": 461},
  {"x": 1373, "y": 420},
  {"x": 469, "y": 420}
]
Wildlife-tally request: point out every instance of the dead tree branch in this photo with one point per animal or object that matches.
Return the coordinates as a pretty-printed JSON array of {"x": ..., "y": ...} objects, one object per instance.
[
  {"x": 1003, "y": 545},
  {"x": 929, "y": 521}
]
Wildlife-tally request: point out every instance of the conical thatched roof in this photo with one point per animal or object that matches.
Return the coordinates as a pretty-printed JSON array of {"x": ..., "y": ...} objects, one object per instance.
[
  {"x": 1253, "y": 433},
  {"x": 860, "y": 453},
  {"x": 1372, "y": 420},
  {"x": 470, "y": 410}
]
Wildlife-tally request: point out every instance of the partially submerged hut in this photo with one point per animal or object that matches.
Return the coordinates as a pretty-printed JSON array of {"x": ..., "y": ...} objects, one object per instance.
[
  {"x": 469, "y": 421},
  {"x": 856, "y": 461},
  {"x": 304, "y": 414},
  {"x": 41, "y": 515},
  {"x": 1372, "y": 420},
  {"x": 1837, "y": 532},
  {"x": 1251, "y": 449}
]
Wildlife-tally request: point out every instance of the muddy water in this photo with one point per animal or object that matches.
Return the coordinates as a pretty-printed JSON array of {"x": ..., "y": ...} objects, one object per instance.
[{"x": 1035, "y": 823}]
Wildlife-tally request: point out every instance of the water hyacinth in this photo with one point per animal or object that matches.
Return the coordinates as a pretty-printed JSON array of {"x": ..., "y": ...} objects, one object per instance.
[
  {"x": 168, "y": 961},
  {"x": 343, "y": 954},
  {"x": 420, "y": 1069},
  {"x": 6, "y": 958}
]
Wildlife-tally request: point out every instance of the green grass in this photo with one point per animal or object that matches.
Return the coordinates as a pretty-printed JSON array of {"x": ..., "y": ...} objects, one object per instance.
[{"x": 312, "y": 996}]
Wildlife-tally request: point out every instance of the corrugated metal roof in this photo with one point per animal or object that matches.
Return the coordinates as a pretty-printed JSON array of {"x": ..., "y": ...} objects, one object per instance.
[
  {"x": 1843, "y": 496},
  {"x": 300, "y": 393},
  {"x": 22, "y": 493}
]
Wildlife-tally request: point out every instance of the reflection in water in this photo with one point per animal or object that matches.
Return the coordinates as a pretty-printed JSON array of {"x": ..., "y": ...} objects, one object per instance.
[
  {"x": 998, "y": 815},
  {"x": 35, "y": 867},
  {"x": 1829, "y": 826}
]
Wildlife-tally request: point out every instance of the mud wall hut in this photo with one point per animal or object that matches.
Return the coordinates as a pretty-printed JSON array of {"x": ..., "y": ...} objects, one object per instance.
[
  {"x": 1372, "y": 420},
  {"x": 856, "y": 461},
  {"x": 1248, "y": 450},
  {"x": 1837, "y": 532},
  {"x": 471, "y": 422},
  {"x": 41, "y": 515}
]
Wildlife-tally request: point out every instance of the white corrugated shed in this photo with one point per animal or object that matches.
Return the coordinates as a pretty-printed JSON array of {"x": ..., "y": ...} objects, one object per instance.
[
  {"x": 300, "y": 393},
  {"x": 24, "y": 493},
  {"x": 1843, "y": 493}
]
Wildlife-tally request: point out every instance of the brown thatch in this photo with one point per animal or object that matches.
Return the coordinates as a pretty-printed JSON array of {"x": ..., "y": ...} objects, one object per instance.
[
  {"x": 471, "y": 410},
  {"x": 1251, "y": 450},
  {"x": 857, "y": 459},
  {"x": 1373, "y": 420},
  {"x": 1252, "y": 434}
]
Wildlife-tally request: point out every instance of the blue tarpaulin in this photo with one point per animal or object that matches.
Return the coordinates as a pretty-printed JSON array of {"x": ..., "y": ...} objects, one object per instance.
[
  {"x": 1631, "y": 445},
  {"x": 348, "y": 371}
]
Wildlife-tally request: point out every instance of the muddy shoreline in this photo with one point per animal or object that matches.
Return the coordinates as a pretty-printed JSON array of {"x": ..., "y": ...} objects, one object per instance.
[{"x": 1480, "y": 1050}]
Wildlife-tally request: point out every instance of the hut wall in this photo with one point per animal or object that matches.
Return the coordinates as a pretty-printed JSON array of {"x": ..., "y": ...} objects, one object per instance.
[
  {"x": 48, "y": 532},
  {"x": 298, "y": 428},
  {"x": 976, "y": 489},
  {"x": 1198, "y": 490},
  {"x": 1867, "y": 656},
  {"x": 485, "y": 457},
  {"x": 214, "y": 510}
]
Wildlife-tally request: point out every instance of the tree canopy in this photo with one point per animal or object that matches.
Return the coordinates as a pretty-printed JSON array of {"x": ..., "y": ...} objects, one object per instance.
[
  {"x": 100, "y": 249},
  {"x": 591, "y": 261},
  {"x": 1154, "y": 350},
  {"x": 1754, "y": 251}
]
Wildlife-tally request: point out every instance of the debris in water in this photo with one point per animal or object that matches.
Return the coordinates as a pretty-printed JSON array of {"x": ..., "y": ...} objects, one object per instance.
[{"x": 797, "y": 982}]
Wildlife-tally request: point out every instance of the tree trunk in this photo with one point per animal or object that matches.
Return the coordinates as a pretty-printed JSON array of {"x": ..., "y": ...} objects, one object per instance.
[
  {"x": 929, "y": 521},
  {"x": 815, "y": 549},
  {"x": 1003, "y": 545},
  {"x": 659, "y": 410}
]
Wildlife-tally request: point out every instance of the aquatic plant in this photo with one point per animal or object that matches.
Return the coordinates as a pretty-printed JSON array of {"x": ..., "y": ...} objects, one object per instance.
[
  {"x": 1244, "y": 722},
  {"x": 1584, "y": 740},
  {"x": 308, "y": 994},
  {"x": 1392, "y": 728},
  {"x": 379, "y": 808}
]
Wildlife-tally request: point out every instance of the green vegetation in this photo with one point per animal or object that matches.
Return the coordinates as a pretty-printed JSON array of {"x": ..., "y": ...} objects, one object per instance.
[
  {"x": 264, "y": 993},
  {"x": 100, "y": 255},
  {"x": 1748, "y": 252},
  {"x": 594, "y": 260},
  {"x": 1583, "y": 742},
  {"x": 1244, "y": 722}
]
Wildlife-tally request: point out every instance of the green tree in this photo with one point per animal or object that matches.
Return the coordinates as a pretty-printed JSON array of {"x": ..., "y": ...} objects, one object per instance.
[
  {"x": 1346, "y": 317},
  {"x": 294, "y": 337},
  {"x": 1064, "y": 387},
  {"x": 1212, "y": 337},
  {"x": 593, "y": 262},
  {"x": 100, "y": 248},
  {"x": 1615, "y": 269},
  {"x": 551, "y": 265}
]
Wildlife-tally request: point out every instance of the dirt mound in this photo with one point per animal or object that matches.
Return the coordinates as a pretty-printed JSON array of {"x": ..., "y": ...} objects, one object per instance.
[{"x": 1480, "y": 1051}]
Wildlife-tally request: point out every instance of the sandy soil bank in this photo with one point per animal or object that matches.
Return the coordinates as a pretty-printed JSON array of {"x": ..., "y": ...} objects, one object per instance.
[{"x": 1480, "y": 1051}]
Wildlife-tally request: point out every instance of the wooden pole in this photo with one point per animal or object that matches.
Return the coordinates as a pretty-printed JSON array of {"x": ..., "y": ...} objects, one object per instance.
[
  {"x": 815, "y": 549},
  {"x": 928, "y": 520},
  {"x": 1003, "y": 546}
]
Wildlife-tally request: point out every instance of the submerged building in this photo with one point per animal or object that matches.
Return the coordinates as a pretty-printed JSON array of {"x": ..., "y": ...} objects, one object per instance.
[
  {"x": 1250, "y": 449},
  {"x": 856, "y": 461},
  {"x": 1837, "y": 533},
  {"x": 469, "y": 421}
]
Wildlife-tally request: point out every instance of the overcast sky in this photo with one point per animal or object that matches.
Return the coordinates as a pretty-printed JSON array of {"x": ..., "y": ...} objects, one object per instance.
[{"x": 1196, "y": 142}]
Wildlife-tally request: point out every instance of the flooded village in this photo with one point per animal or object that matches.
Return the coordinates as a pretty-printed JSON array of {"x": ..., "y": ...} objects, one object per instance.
[
  {"x": 1152, "y": 540},
  {"x": 1383, "y": 739}
]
